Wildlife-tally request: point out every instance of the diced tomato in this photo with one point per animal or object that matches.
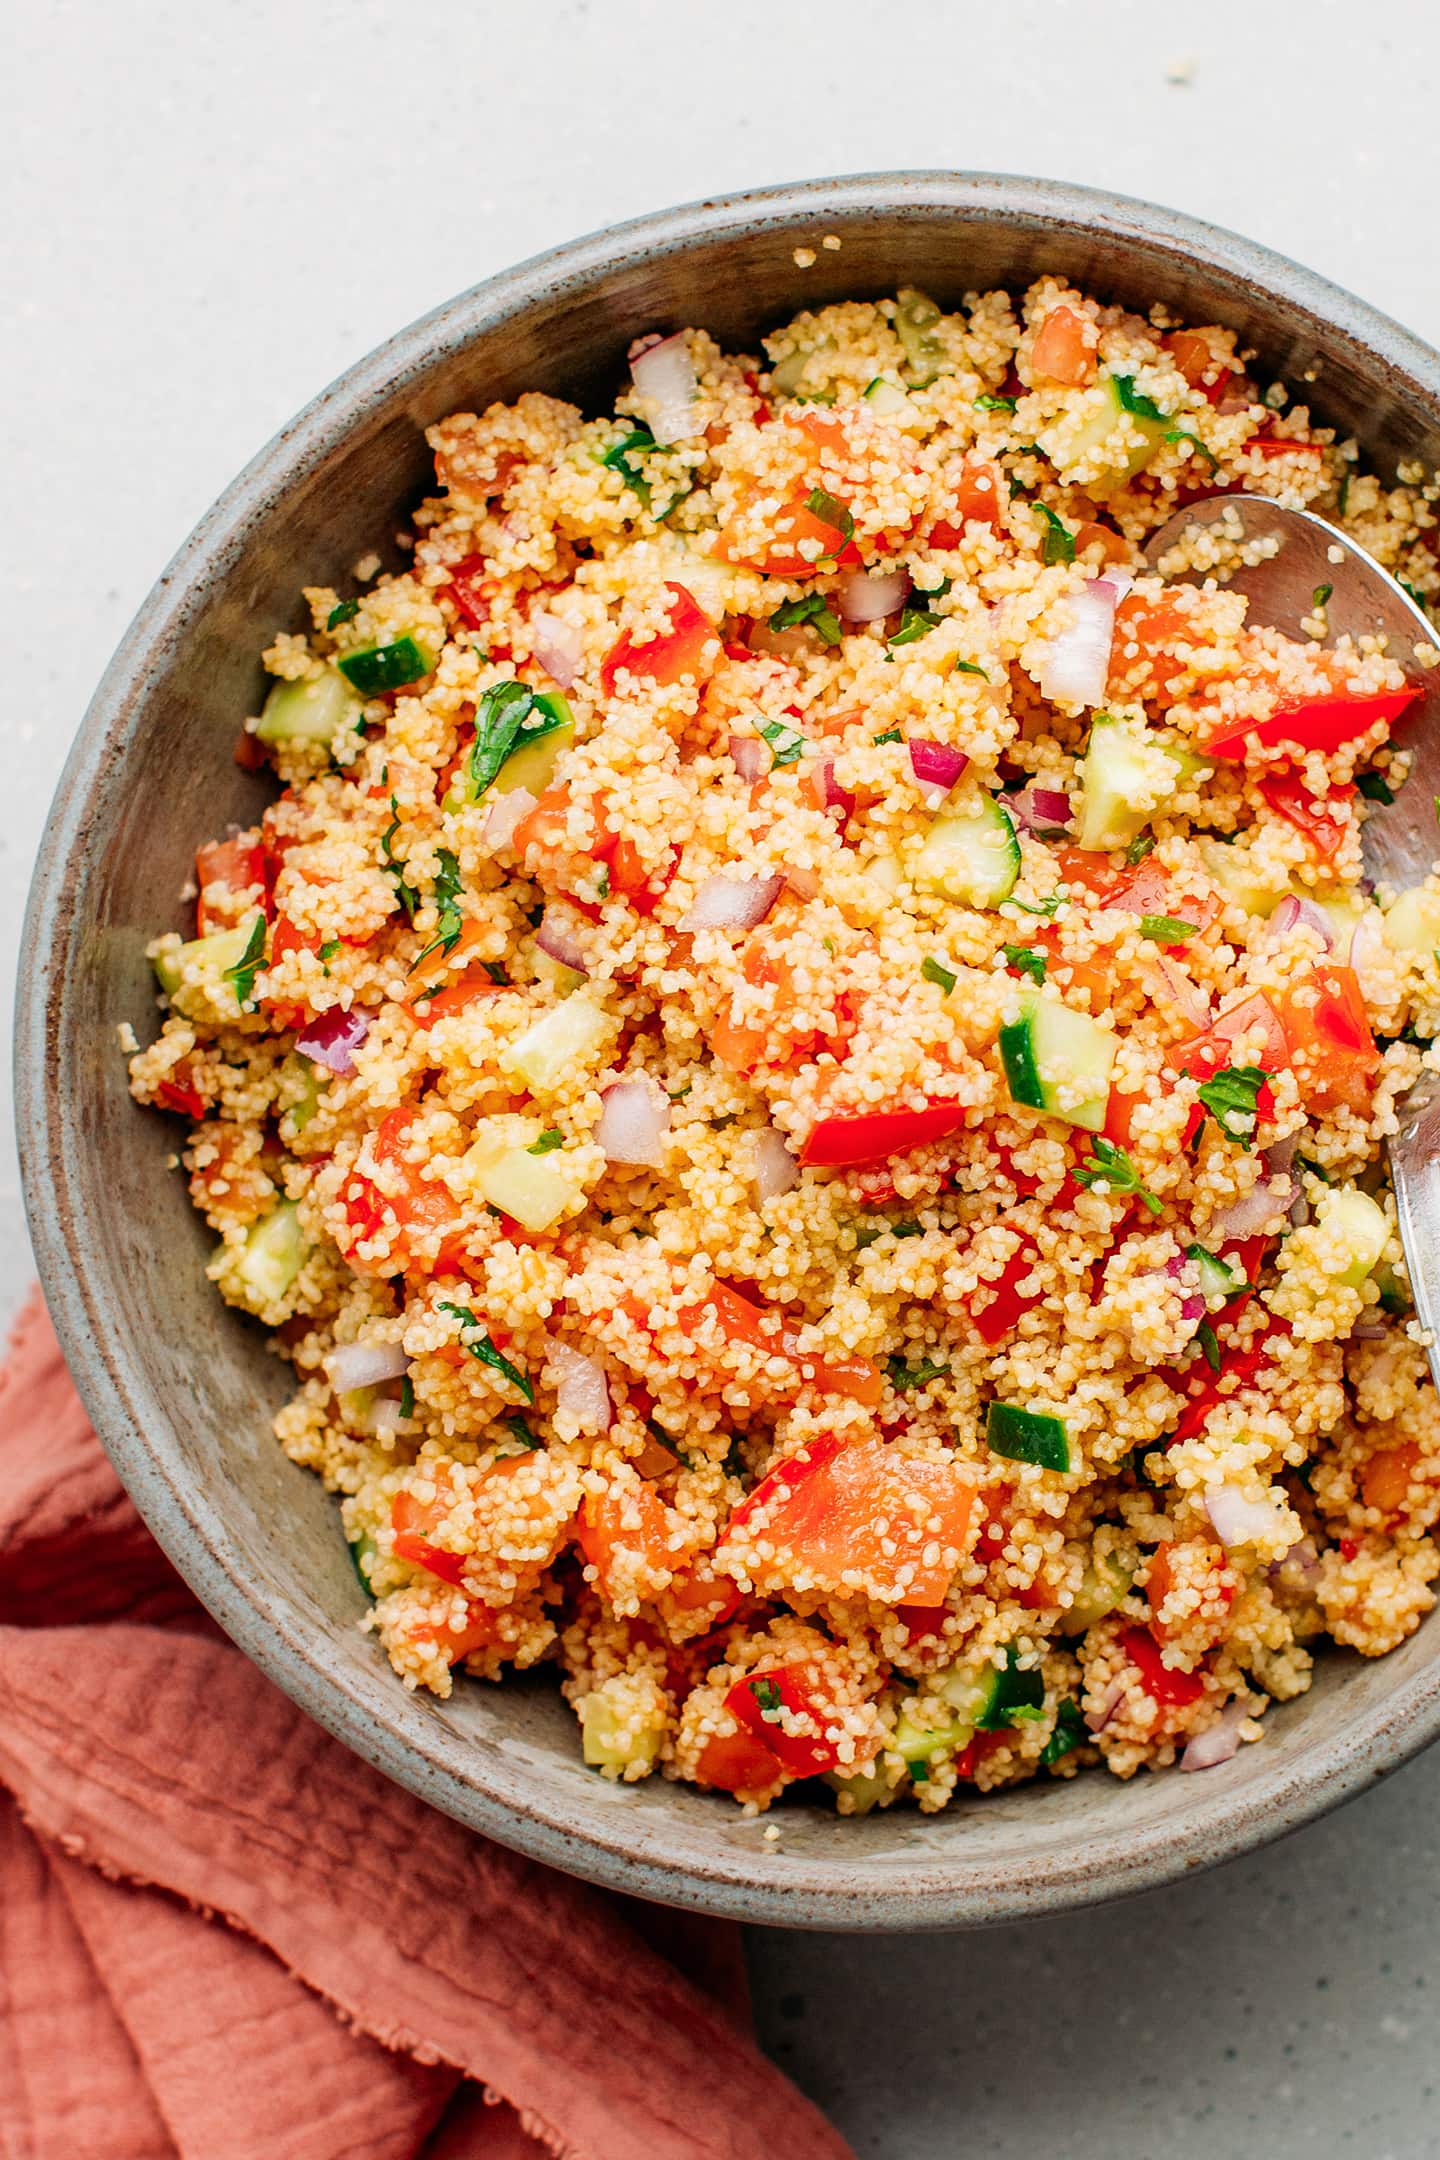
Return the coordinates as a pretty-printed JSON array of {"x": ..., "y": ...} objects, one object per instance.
[
  {"x": 1168, "y": 1689},
  {"x": 632, "y": 877},
  {"x": 1064, "y": 349},
  {"x": 455, "y": 996},
  {"x": 178, "y": 1092},
  {"x": 1385, "y": 1479},
  {"x": 1007, "y": 1302},
  {"x": 737, "y": 1762},
  {"x": 742, "y": 1045},
  {"x": 462, "y": 1638},
  {"x": 472, "y": 591},
  {"x": 415, "y": 1523},
  {"x": 836, "y": 1511},
  {"x": 976, "y": 497},
  {"x": 1156, "y": 628},
  {"x": 1321, "y": 818},
  {"x": 1202, "y": 1056},
  {"x": 418, "y": 1204},
  {"x": 251, "y": 754},
  {"x": 1199, "y": 363},
  {"x": 796, "y": 524},
  {"x": 675, "y": 652},
  {"x": 1238, "y": 1369},
  {"x": 287, "y": 937},
  {"x": 873, "y": 1136},
  {"x": 544, "y": 827},
  {"x": 1325, "y": 724},
  {"x": 803, "y": 1754},
  {"x": 239, "y": 866},
  {"x": 975, "y": 1750},
  {"x": 743, "y": 1322},
  {"x": 920, "y": 1620},
  {"x": 1283, "y": 446},
  {"x": 1114, "y": 547},
  {"x": 1222, "y": 1584},
  {"x": 632, "y": 1516},
  {"x": 1328, "y": 1033}
]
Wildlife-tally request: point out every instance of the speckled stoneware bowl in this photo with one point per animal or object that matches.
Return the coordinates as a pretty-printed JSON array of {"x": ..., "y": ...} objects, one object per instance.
[{"x": 181, "y": 1390}]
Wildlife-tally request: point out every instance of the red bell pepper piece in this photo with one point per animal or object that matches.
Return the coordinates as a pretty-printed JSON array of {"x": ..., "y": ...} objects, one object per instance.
[
  {"x": 1328, "y": 1033},
  {"x": 1324, "y": 724},
  {"x": 1239, "y": 1367},
  {"x": 1168, "y": 1689},
  {"x": 1006, "y": 1301},
  {"x": 753, "y": 1705},
  {"x": 178, "y": 1095}
]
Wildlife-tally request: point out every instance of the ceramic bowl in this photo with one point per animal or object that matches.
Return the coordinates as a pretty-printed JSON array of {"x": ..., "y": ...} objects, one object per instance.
[{"x": 181, "y": 1390}]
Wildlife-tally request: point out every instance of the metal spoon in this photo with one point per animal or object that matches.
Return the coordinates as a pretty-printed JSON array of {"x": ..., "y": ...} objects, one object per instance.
[{"x": 1400, "y": 839}]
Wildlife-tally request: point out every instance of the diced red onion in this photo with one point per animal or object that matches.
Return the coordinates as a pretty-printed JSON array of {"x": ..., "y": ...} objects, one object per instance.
[
  {"x": 1257, "y": 1210},
  {"x": 750, "y": 756},
  {"x": 1075, "y": 664},
  {"x": 582, "y": 1392},
  {"x": 558, "y": 648},
  {"x": 1236, "y": 1519},
  {"x": 1219, "y": 1742},
  {"x": 378, "y": 1416},
  {"x": 1368, "y": 1331},
  {"x": 1188, "y": 999},
  {"x": 1110, "y": 1702},
  {"x": 1299, "y": 1208},
  {"x": 732, "y": 903},
  {"x": 506, "y": 812},
  {"x": 805, "y": 884},
  {"x": 1118, "y": 581},
  {"x": 776, "y": 1170},
  {"x": 871, "y": 595},
  {"x": 1280, "y": 1154},
  {"x": 936, "y": 766},
  {"x": 359, "y": 1365},
  {"x": 664, "y": 375},
  {"x": 552, "y": 937},
  {"x": 332, "y": 1039},
  {"x": 1301, "y": 1560},
  {"x": 634, "y": 1121},
  {"x": 1039, "y": 809},
  {"x": 1290, "y": 914},
  {"x": 1192, "y": 1308}
]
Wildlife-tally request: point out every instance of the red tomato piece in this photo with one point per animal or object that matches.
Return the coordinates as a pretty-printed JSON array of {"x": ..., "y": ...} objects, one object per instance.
[
  {"x": 1238, "y": 1369},
  {"x": 472, "y": 592},
  {"x": 1324, "y": 724},
  {"x": 1282, "y": 446},
  {"x": 1321, "y": 818},
  {"x": 674, "y": 653},
  {"x": 976, "y": 499},
  {"x": 414, "y": 1523},
  {"x": 237, "y": 865},
  {"x": 418, "y": 1204},
  {"x": 1064, "y": 349},
  {"x": 1206, "y": 1054},
  {"x": 737, "y": 1762},
  {"x": 1169, "y": 1690},
  {"x": 1328, "y": 1032},
  {"x": 873, "y": 1136},
  {"x": 178, "y": 1093},
  {"x": 1385, "y": 1479},
  {"x": 796, "y": 523},
  {"x": 975, "y": 1750},
  {"x": 1007, "y": 1302},
  {"x": 743, "y": 1322},
  {"x": 752, "y": 1705}
]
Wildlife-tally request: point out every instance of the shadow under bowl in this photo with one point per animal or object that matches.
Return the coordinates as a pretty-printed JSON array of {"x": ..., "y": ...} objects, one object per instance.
[{"x": 181, "y": 1390}]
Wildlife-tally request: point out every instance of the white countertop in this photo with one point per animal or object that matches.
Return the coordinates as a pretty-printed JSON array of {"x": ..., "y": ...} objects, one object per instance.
[{"x": 210, "y": 211}]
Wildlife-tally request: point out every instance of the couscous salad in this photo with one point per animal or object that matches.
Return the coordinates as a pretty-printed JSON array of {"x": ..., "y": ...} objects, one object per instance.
[{"x": 800, "y": 1062}]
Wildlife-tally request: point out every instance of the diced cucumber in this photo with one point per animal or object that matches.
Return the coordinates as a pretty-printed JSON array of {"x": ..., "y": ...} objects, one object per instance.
[
  {"x": 1123, "y": 781},
  {"x": 362, "y": 1557},
  {"x": 1011, "y": 1690},
  {"x": 971, "y": 1690},
  {"x": 302, "y": 1090},
  {"x": 972, "y": 857},
  {"x": 270, "y": 1259},
  {"x": 1108, "y": 431},
  {"x": 376, "y": 669},
  {"x": 547, "y": 730},
  {"x": 1362, "y": 1227},
  {"x": 211, "y": 998},
  {"x": 1104, "y": 1585},
  {"x": 1032, "y": 1436},
  {"x": 536, "y": 1189},
  {"x": 1058, "y": 1060},
  {"x": 916, "y": 315},
  {"x": 919, "y": 1742},
  {"x": 315, "y": 709},
  {"x": 1413, "y": 923},
  {"x": 563, "y": 1041},
  {"x": 1217, "y": 1277},
  {"x": 1234, "y": 871},
  {"x": 866, "y": 1788},
  {"x": 611, "y": 1741},
  {"x": 887, "y": 399}
]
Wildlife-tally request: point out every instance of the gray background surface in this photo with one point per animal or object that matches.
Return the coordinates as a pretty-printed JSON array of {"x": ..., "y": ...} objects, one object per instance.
[{"x": 211, "y": 208}]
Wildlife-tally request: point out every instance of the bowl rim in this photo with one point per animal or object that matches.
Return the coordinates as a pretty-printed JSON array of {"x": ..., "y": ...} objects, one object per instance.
[{"x": 744, "y": 1881}]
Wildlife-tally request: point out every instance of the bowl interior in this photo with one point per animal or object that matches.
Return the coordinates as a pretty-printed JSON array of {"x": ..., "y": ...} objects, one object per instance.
[{"x": 182, "y": 1390}]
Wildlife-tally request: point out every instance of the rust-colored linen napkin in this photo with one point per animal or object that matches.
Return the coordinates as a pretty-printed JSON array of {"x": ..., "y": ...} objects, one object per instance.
[{"x": 224, "y": 1937}]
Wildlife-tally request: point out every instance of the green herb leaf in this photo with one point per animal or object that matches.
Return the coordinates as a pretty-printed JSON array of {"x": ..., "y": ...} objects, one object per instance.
[
  {"x": 915, "y": 622},
  {"x": 1232, "y": 1097},
  {"x": 786, "y": 744},
  {"x": 329, "y": 949},
  {"x": 1306, "y": 1163},
  {"x": 1415, "y": 594},
  {"x": 346, "y": 611},
  {"x": 620, "y": 458},
  {"x": 919, "y": 1770},
  {"x": 990, "y": 402},
  {"x": 1343, "y": 498},
  {"x": 1321, "y": 594},
  {"x": 891, "y": 734},
  {"x": 494, "y": 970},
  {"x": 1142, "y": 845},
  {"x": 448, "y": 888},
  {"x": 407, "y": 1396},
  {"x": 906, "y": 1229},
  {"x": 1375, "y": 787},
  {"x": 903, "y": 1377},
  {"x": 497, "y": 724},
  {"x": 767, "y": 1695},
  {"x": 547, "y": 1142},
  {"x": 1070, "y": 1732},
  {"x": 1110, "y": 1165},
  {"x": 971, "y": 667},
  {"x": 247, "y": 967},
  {"x": 485, "y": 1353},
  {"x": 1135, "y": 401},
  {"x": 1049, "y": 907},
  {"x": 814, "y": 611},
  {"x": 1209, "y": 1342},
  {"x": 1181, "y": 434},
  {"x": 934, "y": 971},
  {"x": 519, "y": 1429},
  {"x": 408, "y": 897},
  {"x": 1167, "y": 929},
  {"x": 1028, "y": 959},
  {"x": 832, "y": 512},
  {"x": 1059, "y": 544}
]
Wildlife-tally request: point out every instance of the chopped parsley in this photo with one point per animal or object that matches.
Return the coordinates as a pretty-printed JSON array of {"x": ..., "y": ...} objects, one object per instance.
[
  {"x": 345, "y": 611},
  {"x": 1344, "y": 495},
  {"x": 1135, "y": 401},
  {"x": 247, "y": 967},
  {"x": 407, "y": 1396},
  {"x": 1027, "y": 959},
  {"x": 547, "y": 1141},
  {"x": 1181, "y": 434},
  {"x": 1375, "y": 787},
  {"x": 1321, "y": 594},
  {"x": 329, "y": 949},
  {"x": 448, "y": 888},
  {"x": 919, "y": 1770},
  {"x": 1314, "y": 1169},
  {"x": 484, "y": 1351},
  {"x": 828, "y": 510},
  {"x": 1049, "y": 907},
  {"x": 1167, "y": 929},
  {"x": 1209, "y": 1342},
  {"x": 494, "y": 970},
  {"x": 767, "y": 1695},
  {"x": 1232, "y": 1098},
  {"x": 914, "y": 623},
  {"x": 1070, "y": 1732},
  {"x": 1142, "y": 845},
  {"x": 971, "y": 667},
  {"x": 903, "y": 1377},
  {"x": 787, "y": 745},
  {"x": 502, "y": 710},
  {"x": 934, "y": 971},
  {"x": 1415, "y": 594},
  {"x": 620, "y": 458},
  {"x": 408, "y": 897},
  {"x": 813, "y": 612},
  {"x": 1111, "y": 1166},
  {"x": 1059, "y": 544},
  {"x": 891, "y": 734},
  {"x": 990, "y": 402}
]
